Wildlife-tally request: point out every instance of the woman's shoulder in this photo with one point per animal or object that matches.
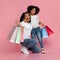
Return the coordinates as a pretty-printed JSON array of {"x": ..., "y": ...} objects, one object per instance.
[
  {"x": 34, "y": 15},
  {"x": 22, "y": 23}
]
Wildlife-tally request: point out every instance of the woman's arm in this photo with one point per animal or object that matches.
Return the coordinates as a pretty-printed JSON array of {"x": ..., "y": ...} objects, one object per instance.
[
  {"x": 39, "y": 22},
  {"x": 22, "y": 37},
  {"x": 18, "y": 23}
]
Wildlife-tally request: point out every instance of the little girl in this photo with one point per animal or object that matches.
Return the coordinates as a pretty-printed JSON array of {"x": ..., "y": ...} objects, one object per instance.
[
  {"x": 27, "y": 42},
  {"x": 36, "y": 31}
]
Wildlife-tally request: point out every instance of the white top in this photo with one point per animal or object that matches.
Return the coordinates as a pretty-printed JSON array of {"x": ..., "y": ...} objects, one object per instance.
[
  {"x": 34, "y": 21},
  {"x": 27, "y": 29}
]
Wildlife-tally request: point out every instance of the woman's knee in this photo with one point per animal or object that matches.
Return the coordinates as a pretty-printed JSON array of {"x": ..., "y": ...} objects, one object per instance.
[
  {"x": 34, "y": 41},
  {"x": 36, "y": 51}
]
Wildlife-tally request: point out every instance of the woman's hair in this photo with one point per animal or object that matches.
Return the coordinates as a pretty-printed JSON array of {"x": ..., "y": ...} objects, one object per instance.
[
  {"x": 29, "y": 8},
  {"x": 23, "y": 16}
]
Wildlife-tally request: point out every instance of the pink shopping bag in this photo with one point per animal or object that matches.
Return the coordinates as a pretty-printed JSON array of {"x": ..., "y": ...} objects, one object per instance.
[{"x": 50, "y": 32}]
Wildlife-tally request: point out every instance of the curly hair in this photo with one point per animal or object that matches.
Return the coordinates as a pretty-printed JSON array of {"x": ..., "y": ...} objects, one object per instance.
[
  {"x": 29, "y": 8},
  {"x": 23, "y": 16}
]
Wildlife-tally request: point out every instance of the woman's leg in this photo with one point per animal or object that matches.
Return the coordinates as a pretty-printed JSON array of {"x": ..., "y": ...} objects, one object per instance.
[
  {"x": 28, "y": 43},
  {"x": 33, "y": 34},
  {"x": 34, "y": 49},
  {"x": 39, "y": 36}
]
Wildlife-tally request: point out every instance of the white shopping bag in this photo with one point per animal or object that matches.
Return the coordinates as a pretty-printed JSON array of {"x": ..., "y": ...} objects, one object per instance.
[
  {"x": 11, "y": 32},
  {"x": 14, "y": 35},
  {"x": 18, "y": 37}
]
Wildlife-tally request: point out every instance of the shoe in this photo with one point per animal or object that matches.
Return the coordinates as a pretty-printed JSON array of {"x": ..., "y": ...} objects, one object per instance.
[
  {"x": 42, "y": 51},
  {"x": 24, "y": 50}
]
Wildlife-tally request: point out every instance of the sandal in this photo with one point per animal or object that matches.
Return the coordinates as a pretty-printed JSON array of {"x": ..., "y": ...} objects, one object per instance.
[{"x": 42, "y": 51}]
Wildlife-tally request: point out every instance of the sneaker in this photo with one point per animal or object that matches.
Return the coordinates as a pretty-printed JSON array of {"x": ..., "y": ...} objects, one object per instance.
[{"x": 24, "y": 50}]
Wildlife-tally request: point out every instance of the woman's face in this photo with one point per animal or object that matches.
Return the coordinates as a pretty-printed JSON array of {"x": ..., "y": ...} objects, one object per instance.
[
  {"x": 33, "y": 11},
  {"x": 27, "y": 17}
]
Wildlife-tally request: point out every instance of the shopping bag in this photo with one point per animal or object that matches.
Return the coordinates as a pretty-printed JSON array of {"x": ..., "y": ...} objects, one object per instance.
[
  {"x": 18, "y": 37},
  {"x": 44, "y": 32},
  {"x": 50, "y": 32},
  {"x": 11, "y": 32},
  {"x": 14, "y": 35}
]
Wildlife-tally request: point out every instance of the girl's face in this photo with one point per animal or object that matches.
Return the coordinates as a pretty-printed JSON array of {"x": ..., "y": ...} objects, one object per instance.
[
  {"x": 27, "y": 17},
  {"x": 33, "y": 11}
]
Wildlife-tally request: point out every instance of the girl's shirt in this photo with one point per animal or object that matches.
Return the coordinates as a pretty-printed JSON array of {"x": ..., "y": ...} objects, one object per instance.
[
  {"x": 27, "y": 29},
  {"x": 34, "y": 21}
]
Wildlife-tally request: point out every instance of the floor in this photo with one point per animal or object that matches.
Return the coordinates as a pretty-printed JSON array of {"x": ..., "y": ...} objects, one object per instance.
[{"x": 52, "y": 52}]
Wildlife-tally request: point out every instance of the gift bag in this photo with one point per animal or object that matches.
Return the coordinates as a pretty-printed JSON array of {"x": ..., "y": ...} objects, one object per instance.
[
  {"x": 49, "y": 30},
  {"x": 11, "y": 32},
  {"x": 44, "y": 32},
  {"x": 14, "y": 35},
  {"x": 18, "y": 37}
]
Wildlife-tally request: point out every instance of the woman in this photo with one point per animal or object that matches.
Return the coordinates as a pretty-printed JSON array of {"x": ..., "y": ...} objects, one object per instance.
[{"x": 27, "y": 41}]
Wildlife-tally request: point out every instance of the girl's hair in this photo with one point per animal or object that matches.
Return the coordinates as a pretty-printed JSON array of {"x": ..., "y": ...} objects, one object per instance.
[
  {"x": 23, "y": 16},
  {"x": 29, "y": 8}
]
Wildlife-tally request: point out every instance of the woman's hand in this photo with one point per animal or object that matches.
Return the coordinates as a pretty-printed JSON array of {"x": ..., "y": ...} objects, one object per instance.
[
  {"x": 17, "y": 22},
  {"x": 22, "y": 28}
]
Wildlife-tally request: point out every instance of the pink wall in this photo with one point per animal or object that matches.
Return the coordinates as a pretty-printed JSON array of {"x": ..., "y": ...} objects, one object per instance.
[{"x": 10, "y": 10}]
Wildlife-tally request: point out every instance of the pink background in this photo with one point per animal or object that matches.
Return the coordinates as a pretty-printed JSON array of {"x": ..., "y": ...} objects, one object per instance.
[{"x": 10, "y": 10}]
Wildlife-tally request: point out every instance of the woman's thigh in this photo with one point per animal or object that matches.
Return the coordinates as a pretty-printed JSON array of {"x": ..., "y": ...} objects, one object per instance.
[
  {"x": 29, "y": 43},
  {"x": 35, "y": 49}
]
